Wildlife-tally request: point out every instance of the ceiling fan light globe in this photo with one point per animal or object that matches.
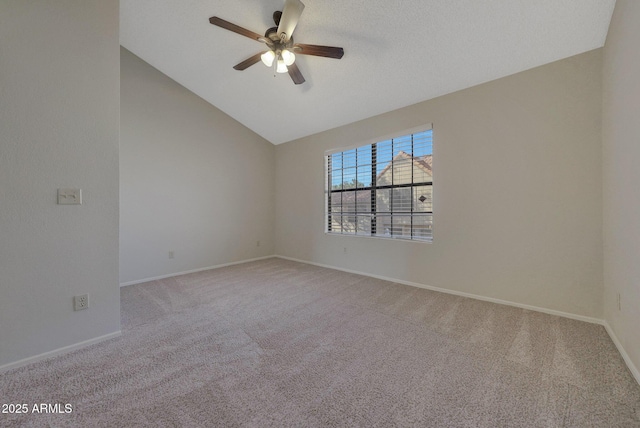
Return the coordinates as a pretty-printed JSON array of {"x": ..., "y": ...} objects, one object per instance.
[
  {"x": 288, "y": 57},
  {"x": 267, "y": 58},
  {"x": 281, "y": 67}
]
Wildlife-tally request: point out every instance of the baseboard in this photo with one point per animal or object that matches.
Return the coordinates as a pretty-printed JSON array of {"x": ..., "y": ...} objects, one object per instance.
[
  {"x": 457, "y": 293},
  {"x": 58, "y": 351},
  {"x": 632, "y": 368},
  {"x": 170, "y": 275}
]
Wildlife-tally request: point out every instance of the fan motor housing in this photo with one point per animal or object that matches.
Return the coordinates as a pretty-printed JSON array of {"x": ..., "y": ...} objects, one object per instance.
[{"x": 278, "y": 44}]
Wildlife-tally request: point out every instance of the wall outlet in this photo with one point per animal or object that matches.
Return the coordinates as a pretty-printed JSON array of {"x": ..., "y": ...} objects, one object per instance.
[
  {"x": 345, "y": 250},
  {"x": 80, "y": 302},
  {"x": 171, "y": 254}
]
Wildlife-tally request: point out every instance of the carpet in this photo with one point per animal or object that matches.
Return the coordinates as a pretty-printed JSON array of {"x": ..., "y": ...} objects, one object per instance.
[{"x": 280, "y": 343}]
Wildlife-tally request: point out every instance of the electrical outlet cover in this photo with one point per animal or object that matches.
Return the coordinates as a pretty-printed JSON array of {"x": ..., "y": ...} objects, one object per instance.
[{"x": 80, "y": 302}]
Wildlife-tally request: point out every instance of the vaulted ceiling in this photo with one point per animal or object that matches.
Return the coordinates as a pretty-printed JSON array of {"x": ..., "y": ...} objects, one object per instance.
[{"x": 397, "y": 53}]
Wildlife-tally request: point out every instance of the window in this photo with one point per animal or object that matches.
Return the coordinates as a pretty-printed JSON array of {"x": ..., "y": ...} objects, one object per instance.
[{"x": 384, "y": 189}]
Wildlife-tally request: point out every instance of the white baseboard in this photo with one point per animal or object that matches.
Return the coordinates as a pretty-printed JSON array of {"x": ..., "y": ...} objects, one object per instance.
[
  {"x": 58, "y": 351},
  {"x": 632, "y": 368},
  {"x": 170, "y": 275},
  {"x": 459, "y": 293}
]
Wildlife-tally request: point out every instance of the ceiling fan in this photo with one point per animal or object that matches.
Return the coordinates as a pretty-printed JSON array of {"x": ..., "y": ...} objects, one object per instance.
[{"x": 282, "y": 50}]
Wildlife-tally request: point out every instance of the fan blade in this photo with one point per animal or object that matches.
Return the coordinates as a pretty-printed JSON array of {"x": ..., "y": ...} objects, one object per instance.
[
  {"x": 248, "y": 62},
  {"x": 235, "y": 28},
  {"x": 289, "y": 19},
  {"x": 295, "y": 74},
  {"x": 317, "y": 50}
]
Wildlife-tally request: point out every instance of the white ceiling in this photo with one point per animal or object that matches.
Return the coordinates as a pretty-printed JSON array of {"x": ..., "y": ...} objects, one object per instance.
[{"x": 397, "y": 53}]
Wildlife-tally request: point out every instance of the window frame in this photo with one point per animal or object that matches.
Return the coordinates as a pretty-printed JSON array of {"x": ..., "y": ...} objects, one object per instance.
[{"x": 374, "y": 187}]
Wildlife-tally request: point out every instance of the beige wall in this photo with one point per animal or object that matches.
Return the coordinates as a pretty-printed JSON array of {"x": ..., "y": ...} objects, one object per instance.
[
  {"x": 517, "y": 194},
  {"x": 621, "y": 171},
  {"x": 59, "y": 76},
  {"x": 192, "y": 180}
]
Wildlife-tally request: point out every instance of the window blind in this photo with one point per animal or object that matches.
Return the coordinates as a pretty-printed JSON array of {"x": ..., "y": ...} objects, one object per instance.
[{"x": 383, "y": 189}]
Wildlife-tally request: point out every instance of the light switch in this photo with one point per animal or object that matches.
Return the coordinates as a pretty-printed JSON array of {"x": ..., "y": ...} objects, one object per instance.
[{"x": 69, "y": 196}]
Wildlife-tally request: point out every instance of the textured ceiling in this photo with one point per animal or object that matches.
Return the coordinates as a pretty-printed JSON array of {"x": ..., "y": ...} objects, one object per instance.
[{"x": 397, "y": 53}]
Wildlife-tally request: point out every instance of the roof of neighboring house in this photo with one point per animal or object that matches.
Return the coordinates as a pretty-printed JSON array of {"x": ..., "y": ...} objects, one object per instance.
[
  {"x": 422, "y": 162},
  {"x": 425, "y": 162},
  {"x": 357, "y": 195}
]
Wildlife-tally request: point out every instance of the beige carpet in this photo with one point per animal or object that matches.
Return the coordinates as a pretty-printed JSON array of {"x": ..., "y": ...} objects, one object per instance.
[{"x": 278, "y": 343}]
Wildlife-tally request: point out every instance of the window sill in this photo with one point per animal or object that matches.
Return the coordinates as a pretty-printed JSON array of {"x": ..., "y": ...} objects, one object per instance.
[{"x": 383, "y": 238}]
